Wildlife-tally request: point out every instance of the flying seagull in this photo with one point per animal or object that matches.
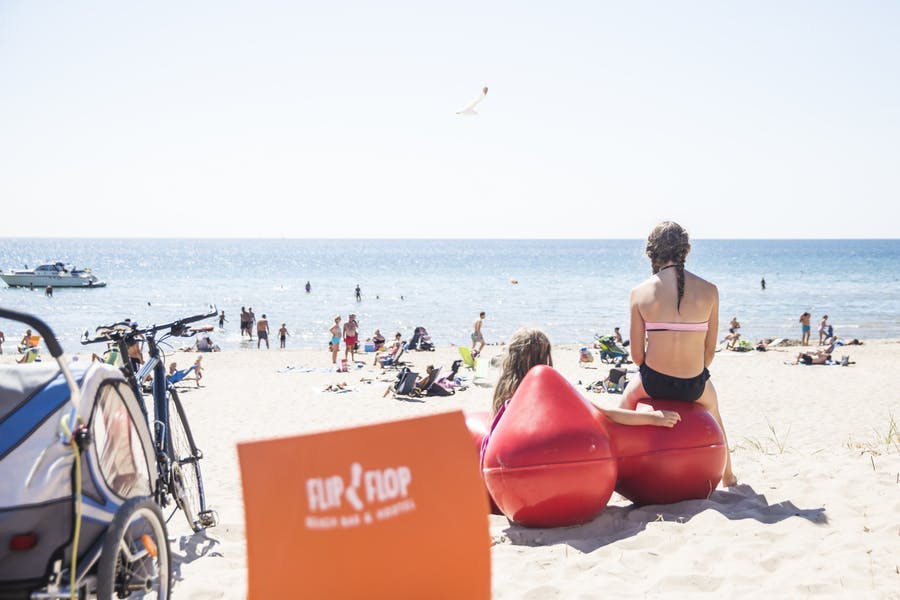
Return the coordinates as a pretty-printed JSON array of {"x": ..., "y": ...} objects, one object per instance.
[{"x": 470, "y": 109}]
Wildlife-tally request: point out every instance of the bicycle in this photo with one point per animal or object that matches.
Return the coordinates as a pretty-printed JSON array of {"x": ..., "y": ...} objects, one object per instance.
[{"x": 177, "y": 456}]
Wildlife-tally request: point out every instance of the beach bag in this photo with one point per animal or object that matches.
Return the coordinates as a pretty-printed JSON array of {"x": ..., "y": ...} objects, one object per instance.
[{"x": 441, "y": 387}]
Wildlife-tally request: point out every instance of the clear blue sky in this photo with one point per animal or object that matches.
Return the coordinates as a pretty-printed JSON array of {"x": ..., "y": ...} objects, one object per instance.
[{"x": 336, "y": 119}]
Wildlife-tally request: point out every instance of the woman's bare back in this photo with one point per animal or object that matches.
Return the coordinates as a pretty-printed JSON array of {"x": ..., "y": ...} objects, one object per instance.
[{"x": 677, "y": 353}]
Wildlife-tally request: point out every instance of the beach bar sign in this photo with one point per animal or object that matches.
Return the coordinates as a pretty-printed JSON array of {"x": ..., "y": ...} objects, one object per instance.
[{"x": 394, "y": 510}]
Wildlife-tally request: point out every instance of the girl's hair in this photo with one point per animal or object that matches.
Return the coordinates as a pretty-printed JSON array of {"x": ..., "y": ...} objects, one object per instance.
[
  {"x": 669, "y": 242},
  {"x": 527, "y": 347}
]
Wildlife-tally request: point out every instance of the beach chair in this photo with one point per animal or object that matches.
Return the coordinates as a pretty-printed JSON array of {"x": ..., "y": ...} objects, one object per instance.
[
  {"x": 467, "y": 357},
  {"x": 393, "y": 361},
  {"x": 482, "y": 368},
  {"x": 31, "y": 355},
  {"x": 616, "y": 381},
  {"x": 406, "y": 382},
  {"x": 422, "y": 390},
  {"x": 180, "y": 374}
]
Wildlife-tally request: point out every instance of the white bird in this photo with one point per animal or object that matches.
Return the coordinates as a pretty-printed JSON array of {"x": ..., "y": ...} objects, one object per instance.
[{"x": 469, "y": 110}]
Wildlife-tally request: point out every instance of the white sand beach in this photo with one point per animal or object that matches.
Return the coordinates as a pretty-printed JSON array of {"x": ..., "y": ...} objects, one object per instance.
[{"x": 816, "y": 450}]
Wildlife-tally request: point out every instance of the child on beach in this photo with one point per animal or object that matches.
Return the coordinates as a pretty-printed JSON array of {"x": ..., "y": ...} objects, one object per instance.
[
  {"x": 823, "y": 328},
  {"x": 282, "y": 335},
  {"x": 529, "y": 347}
]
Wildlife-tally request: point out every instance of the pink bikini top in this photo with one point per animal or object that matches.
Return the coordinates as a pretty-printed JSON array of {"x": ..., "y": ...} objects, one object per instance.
[{"x": 704, "y": 326}]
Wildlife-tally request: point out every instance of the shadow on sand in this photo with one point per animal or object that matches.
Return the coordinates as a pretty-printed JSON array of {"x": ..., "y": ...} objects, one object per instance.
[
  {"x": 189, "y": 548},
  {"x": 619, "y": 522}
]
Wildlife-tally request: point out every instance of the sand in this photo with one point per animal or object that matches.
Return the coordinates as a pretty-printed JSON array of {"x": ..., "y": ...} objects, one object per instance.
[{"x": 816, "y": 450}]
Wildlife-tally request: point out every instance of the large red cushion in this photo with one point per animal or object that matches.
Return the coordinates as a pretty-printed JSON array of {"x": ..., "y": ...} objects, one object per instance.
[
  {"x": 658, "y": 465},
  {"x": 479, "y": 424},
  {"x": 549, "y": 462}
]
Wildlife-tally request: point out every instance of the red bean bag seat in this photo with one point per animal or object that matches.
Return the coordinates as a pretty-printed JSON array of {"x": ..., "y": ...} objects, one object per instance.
[
  {"x": 548, "y": 462},
  {"x": 658, "y": 465}
]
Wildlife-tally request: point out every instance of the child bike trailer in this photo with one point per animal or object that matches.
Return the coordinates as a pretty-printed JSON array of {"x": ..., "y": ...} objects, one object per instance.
[{"x": 76, "y": 461}]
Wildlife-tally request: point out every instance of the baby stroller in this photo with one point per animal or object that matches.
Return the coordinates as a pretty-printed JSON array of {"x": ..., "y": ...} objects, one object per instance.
[
  {"x": 77, "y": 462},
  {"x": 421, "y": 340},
  {"x": 610, "y": 350}
]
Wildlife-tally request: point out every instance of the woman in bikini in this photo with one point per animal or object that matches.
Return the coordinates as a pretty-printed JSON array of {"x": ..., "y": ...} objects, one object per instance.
[
  {"x": 677, "y": 313},
  {"x": 335, "y": 343}
]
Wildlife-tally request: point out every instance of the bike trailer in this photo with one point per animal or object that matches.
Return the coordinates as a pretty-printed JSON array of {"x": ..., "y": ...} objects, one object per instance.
[{"x": 74, "y": 447}]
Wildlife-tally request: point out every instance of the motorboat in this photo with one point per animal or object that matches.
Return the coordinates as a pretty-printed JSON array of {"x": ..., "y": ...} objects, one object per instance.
[{"x": 56, "y": 274}]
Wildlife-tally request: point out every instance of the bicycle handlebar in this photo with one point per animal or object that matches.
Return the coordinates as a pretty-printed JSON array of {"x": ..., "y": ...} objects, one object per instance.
[{"x": 118, "y": 330}]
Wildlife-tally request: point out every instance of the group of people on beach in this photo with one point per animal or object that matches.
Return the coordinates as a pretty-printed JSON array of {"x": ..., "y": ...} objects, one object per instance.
[
  {"x": 349, "y": 333},
  {"x": 248, "y": 320}
]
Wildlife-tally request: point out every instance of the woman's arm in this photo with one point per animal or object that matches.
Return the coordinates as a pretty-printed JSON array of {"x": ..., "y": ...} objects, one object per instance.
[
  {"x": 712, "y": 334},
  {"x": 637, "y": 331}
]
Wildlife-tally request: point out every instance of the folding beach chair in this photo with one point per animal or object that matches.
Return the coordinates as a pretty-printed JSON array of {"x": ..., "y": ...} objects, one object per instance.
[
  {"x": 393, "y": 361},
  {"x": 422, "y": 390},
  {"x": 467, "y": 357},
  {"x": 406, "y": 382}
]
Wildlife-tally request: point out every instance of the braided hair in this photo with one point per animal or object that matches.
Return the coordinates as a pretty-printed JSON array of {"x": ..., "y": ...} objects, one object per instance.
[
  {"x": 527, "y": 347},
  {"x": 669, "y": 243}
]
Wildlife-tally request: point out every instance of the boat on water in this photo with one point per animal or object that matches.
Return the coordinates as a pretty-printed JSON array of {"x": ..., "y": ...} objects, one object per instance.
[{"x": 56, "y": 274}]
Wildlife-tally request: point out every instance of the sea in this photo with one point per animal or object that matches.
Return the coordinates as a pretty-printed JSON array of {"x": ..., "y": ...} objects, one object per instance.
[{"x": 573, "y": 289}]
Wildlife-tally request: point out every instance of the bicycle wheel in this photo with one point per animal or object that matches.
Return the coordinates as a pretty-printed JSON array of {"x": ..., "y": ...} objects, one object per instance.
[
  {"x": 187, "y": 483},
  {"x": 135, "y": 558}
]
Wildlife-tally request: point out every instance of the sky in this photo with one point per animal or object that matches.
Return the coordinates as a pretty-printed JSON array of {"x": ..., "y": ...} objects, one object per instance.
[{"x": 769, "y": 119}]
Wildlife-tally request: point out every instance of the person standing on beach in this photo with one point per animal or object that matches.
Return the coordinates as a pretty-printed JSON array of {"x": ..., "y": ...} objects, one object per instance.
[
  {"x": 762, "y": 283},
  {"x": 282, "y": 335},
  {"x": 351, "y": 336},
  {"x": 334, "y": 345},
  {"x": 805, "y": 328},
  {"x": 477, "y": 336},
  {"x": 251, "y": 320},
  {"x": 245, "y": 321},
  {"x": 674, "y": 327},
  {"x": 358, "y": 293},
  {"x": 222, "y": 320},
  {"x": 308, "y": 287},
  {"x": 262, "y": 332},
  {"x": 823, "y": 328}
]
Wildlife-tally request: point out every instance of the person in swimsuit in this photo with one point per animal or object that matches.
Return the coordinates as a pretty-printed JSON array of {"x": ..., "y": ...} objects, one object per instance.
[
  {"x": 674, "y": 327},
  {"x": 823, "y": 327},
  {"x": 262, "y": 332},
  {"x": 351, "y": 336},
  {"x": 378, "y": 340},
  {"x": 477, "y": 336},
  {"x": 335, "y": 344},
  {"x": 805, "y": 328},
  {"x": 282, "y": 335},
  {"x": 245, "y": 322},
  {"x": 222, "y": 320}
]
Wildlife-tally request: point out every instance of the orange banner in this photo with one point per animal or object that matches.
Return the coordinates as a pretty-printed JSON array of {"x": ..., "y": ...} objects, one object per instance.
[{"x": 394, "y": 510}]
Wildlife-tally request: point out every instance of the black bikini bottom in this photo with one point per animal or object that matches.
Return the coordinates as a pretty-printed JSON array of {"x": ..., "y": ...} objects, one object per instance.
[{"x": 661, "y": 386}]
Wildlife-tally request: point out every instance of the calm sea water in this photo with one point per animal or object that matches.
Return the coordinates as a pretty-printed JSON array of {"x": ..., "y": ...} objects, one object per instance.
[{"x": 571, "y": 288}]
